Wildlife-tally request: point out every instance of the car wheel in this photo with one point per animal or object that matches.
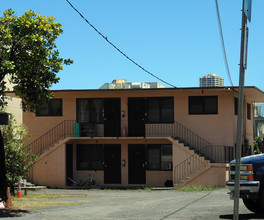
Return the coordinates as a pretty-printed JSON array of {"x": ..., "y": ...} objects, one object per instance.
[{"x": 253, "y": 205}]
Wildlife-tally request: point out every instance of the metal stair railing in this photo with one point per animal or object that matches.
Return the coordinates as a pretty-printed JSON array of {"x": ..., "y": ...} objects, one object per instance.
[
  {"x": 44, "y": 142},
  {"x": 219, "y": 154},
  {"x": 188, "y": 137},
  {"x": 214, "y": 153},
  {"x": 188, "y": 167},
  {"x": 180, "y": 133}
]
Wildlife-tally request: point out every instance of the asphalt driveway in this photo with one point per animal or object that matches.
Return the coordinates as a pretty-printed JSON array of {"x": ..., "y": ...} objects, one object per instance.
[{"x": 137, "y": 204}]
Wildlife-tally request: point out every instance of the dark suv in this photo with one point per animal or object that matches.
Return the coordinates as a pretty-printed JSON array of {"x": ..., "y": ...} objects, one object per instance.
[{"x": 251, "y": 182}]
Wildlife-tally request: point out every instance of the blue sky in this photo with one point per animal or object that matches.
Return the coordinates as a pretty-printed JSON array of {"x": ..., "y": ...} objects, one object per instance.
[{"x": 176, "y": 40}]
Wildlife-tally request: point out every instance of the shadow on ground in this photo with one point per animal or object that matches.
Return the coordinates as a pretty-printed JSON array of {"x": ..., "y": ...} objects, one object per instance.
[
  {"x": 243, "y": 216},
  {"x": 12, "y": 213}
]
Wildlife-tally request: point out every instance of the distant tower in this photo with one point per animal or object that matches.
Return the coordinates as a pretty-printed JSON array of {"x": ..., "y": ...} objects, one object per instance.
[{"x": 211, "y": 80}]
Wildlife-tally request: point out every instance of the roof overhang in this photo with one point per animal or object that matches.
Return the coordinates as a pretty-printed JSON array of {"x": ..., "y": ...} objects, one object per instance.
[{"x": 252, "y": 93}]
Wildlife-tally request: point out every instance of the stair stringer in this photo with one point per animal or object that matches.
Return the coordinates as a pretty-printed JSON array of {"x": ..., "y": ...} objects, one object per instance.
[
  {"x": 53, "y": 147},
  {"x": 185, "y": 152},
  {"x": 193, "y": 176}
]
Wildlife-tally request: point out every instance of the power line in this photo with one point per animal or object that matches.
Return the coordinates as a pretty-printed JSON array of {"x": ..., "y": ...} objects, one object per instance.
[
  {"x": 223, "y": 43},
  {"x": 119, "y": 49}
]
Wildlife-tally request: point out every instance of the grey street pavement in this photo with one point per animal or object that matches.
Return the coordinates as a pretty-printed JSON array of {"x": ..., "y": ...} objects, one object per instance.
[{"x": 137, "y": 204}]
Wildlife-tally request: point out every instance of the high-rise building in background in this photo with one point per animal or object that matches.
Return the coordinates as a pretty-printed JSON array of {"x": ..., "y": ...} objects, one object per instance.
[
  {"x": 211, "y": 80},
  {"x": 123, "y": 84}
]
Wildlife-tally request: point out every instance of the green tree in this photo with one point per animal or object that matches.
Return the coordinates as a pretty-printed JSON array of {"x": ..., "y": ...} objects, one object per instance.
[
  {"x": 18, "y": 158},
  {"x": 28, "y": 55}
]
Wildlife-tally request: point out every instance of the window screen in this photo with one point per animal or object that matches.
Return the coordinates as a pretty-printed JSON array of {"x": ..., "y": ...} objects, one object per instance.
[
  {"x": 203, "y": 105},
  {"x": 160, "y": 110},
  {"x": 89, "y": 157},
  {"x": 159, "y": 157},
  {"x": 236, "y": 106},
  {"x": 51, "y": 108},
  {"x": 154, "y": 157},
  {"x": 248, "y": 111},
  {"x": 90, "y": 110}
]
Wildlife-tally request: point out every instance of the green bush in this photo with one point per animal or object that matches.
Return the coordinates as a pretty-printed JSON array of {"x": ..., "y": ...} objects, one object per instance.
[
  {"x": 258, "y": 144},
  {"x": 17, "y": 158}
]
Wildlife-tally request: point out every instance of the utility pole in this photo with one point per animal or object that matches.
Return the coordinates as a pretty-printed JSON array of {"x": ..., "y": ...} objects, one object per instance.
[{"x": 246, "y": 13}]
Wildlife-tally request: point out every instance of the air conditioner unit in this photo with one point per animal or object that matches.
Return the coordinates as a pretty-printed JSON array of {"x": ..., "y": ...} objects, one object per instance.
[{"x": 166, "y": 166}]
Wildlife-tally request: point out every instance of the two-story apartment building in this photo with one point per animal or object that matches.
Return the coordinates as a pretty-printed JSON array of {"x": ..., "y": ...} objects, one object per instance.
[{"x": 139, "y": 137}]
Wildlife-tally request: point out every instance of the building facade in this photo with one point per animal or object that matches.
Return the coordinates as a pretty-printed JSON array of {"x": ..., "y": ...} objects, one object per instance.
[
  {"x": 258, "y": 110},
  {"x": 211, "y": 80},
  {"x": 138, "y": 137},
  {"x": 14, "y": 104}
]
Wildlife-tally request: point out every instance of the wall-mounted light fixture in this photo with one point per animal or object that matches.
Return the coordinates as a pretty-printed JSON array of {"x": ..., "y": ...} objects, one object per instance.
[
  {"x": 123, "y": 114},
  {"x": 123, "y": 163}
]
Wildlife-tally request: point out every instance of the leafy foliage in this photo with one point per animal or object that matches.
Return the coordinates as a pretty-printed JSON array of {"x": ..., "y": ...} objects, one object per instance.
[
  {"x": 258, "y": 144},
  {"x": 18, "y": 160},
  {"x": 28, "y": 55}
]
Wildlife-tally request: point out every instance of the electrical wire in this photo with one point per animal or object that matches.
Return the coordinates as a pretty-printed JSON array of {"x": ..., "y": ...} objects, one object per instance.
[
  {"x": 153, "y": 75},
  {"x": 222, "y": 42}
]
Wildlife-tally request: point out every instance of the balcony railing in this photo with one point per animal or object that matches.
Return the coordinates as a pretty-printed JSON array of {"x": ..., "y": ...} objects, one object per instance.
[{"x": 175, "y": 130}]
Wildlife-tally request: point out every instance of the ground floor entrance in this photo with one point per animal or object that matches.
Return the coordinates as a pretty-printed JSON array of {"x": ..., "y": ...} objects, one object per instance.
[
  {"x": 136, "y": 164},
  {"x": 112, "y": 164}
]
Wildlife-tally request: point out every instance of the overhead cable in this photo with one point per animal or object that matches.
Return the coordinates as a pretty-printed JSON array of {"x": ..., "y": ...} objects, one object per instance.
[
  {"x": 222, "y": 42},
  {"x": 119, "y": 49}
]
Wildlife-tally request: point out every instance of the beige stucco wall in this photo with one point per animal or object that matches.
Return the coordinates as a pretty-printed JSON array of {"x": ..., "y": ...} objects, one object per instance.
[
  {"x": 216, "y": 175},
  {"x": 14, "y": 107},
  {"x": 50, "y": 169}
]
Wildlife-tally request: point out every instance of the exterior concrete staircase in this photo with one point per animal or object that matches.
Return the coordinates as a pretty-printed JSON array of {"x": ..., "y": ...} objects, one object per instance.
[
  {"x": 194, "y": 174},
  {"x": 194, "y": 165}
]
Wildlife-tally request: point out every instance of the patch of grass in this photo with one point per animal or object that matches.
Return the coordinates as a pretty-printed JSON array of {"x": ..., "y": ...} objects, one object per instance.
[
  {"x": 39, "y": 204},
  {"x": 146, "y": 189},
  {"x": 198, "y": 188},
  {"x": 32, "y": 197},
  {"x": 38, "y": 201}
]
